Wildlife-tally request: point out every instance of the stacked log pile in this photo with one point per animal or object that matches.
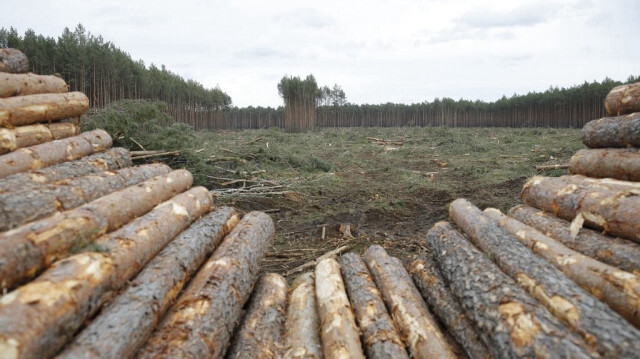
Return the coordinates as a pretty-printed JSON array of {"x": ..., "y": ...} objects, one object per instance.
[
  {"x": 558, "y": 277},
  {"x": 102, "y": 259}
]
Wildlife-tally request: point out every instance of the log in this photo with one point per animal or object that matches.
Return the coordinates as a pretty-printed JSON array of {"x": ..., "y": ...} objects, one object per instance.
[
  {"x": 620, "y": 290},
  {"x": 618, "y": 163},
  {"x": 52, "y": 153},
  {"x": 126, "y": 320},
  {"x": 28, "y": 249},
  {"x": 379, "y": 335},
  {"x": 260, "y": 333},
  {"x": 22, "y": 206},
  {"x": 49, "y": 107},
  {"x": 13, "y": 61},
  {"x": 615, "y": 212},
  {"x": 200, "y": 324},
  {"x": 109, "y": 160},
  {"x": 620, "y": 131},
  {"x": 37, "y": 319},
  {"x": 338, "y": 330},
  {"x": 599, "y": 326},
  {"x": 610, "y": 184},
  {"x": 30, "y": 84},
  {"x": 510, "y": 322},
  {"x": 617, "y": 252},
  {"x": 446, "y": 307},
  {"x": 418, "y": 328},
  {"x": 302, "y": 327},
  {"x": 623, "y": 99},
  {"x": 31, "y": 135}
]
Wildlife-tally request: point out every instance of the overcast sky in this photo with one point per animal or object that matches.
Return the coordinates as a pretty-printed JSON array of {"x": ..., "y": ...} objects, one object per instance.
[{"x": 380, "y": 51}]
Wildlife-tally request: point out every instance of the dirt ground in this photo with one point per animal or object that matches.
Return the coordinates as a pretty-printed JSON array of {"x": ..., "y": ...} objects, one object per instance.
[{"x": 389, "y": 186}]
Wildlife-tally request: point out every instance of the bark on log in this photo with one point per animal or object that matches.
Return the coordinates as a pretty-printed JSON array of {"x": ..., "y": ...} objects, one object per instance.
[
  {"x": 617, "y": 288},
  {"x": 510, "y": 322},
  {"x": 617, "y": 252},
  {"x": 379, "y": 335},
  {"x": 20, "y": 207},
  {"x": 52, "y": 153},
  {"x": 623, "y": 99},
  {"x": 609, "y": 184},
  {"x": 28, "y": 249},
  {"x": 37, "y": 319},
  {"x": 302, "y": 327},
  {"x": 446, "y": 307},
  {"x": 109, "y": 160},
  {"x": 127, "y": 321},
  {"x": 200, "y": 324},
  {"x": 620, "y": 131},
  {"x": 618, "y": 163},
  {"x": 30, "y": 109},
  {"x": 338, "y": 330},
  {"x": 260, "y": 333},
  {"x": 418, "y": 328},
  {"x": 615, "y": 212},
  {"x": 13, "y": 61},
  {"x": 30, "y": 84},
  {"x": 25, "y": 136},
  {"x": 597, "y": 324}
]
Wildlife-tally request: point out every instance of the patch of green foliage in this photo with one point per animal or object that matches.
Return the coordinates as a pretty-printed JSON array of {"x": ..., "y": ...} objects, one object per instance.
[{"x": 142, "y": 124}]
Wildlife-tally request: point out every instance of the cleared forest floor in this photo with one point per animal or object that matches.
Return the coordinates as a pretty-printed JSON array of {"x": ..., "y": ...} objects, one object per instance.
[{"x": 389, "y": 192}]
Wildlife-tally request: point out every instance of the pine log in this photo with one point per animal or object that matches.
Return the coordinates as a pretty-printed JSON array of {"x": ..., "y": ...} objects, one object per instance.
[
  {"x": 109, "y": 160},
  {"x": 37, "y": 319},
  {"x": 126, "y": 321},
  {"x": 446, "y": 307},
  {"x": 620, "y": 290},
  {"x": 201, "y": 322},
  {"x": 260, "y": 333},
  {"x": 49, "y": 107},
  {"x": 13, "y": 61},
  {"x": 31, "y": 135},
  {"x": 302, "y": 327},
  {"x": 599, "y": 326},
  {"x": 52, "y": 153},
  {"x": 623, "y": 99},
  {"x": 418, "y": 328},
  {"x": 616, "y": 212},
  {"x": 338, "y": 330},
  {"x": 618, "y": 163},
  {"x": 617, "y": 252},
  {"x": 27, "y": 250},
  {"x": 609, "y": 184},
  {"x": 379, "y": 335},
  {"x": 20, "y": 207},
  {"x": 30, "y": 84},
  {"x": 620, "y": 131},
  {"x": 510, "y": 322}
]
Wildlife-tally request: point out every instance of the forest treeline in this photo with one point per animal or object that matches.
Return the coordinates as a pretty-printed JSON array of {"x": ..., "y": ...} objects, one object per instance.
[{"x": 107, "y": 74}]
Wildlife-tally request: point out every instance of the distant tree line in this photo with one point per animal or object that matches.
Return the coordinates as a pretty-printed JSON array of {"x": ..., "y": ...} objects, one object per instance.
[
  {"x": 105, "y": 74},
  {"x": 556, "y": 107}
]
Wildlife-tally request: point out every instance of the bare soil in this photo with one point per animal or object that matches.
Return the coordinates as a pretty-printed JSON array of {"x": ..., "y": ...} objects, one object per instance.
[{"x": 388, "y": 192}]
